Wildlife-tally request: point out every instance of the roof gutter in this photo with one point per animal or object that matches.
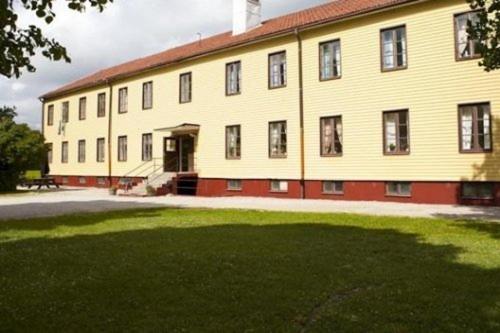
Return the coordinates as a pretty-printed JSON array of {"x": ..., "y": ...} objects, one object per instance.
[{"x": 280, "y": 34}]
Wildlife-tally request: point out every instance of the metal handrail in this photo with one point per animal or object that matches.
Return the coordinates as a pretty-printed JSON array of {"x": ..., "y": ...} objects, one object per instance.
[{"x": 130, "y": 173}]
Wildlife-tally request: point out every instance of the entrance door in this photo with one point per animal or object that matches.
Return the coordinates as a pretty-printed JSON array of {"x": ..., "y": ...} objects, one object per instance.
[
  {"x": 187, "y": 153},
  {"x": 170, "y": 155}
]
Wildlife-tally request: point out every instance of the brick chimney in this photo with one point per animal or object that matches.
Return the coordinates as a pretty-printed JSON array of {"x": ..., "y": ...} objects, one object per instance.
[{"x": 246, "y": 15}]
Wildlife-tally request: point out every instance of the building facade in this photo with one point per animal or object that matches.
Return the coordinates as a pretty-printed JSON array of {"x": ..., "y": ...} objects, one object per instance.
[{"x": 376, "y": 100}]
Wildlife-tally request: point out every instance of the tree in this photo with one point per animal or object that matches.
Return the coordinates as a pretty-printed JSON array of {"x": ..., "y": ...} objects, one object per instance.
[
  {"x": 21, "y": 149},
  {"x": 487, "y": 31},
  {"x": 19, "y": 45}
]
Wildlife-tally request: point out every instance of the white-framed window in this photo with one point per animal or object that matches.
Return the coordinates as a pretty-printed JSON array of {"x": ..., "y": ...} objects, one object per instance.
[
  {"x": 277, "y": 70},
  {"x": 330, "y": 60},
  {"x": 234, "y": 185},
  {"x": 279, "y": 186},
  {"x": 398, "y": 189},
  {"x": 277, "y": 139},
  {"x": 233, "y": 78},
  {"x": 333, "y": 187}
]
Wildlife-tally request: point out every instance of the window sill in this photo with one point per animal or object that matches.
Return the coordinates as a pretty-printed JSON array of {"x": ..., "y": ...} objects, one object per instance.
[
  {"x": 459, "y": 59},
  {"x": 234, "y": 190},
  {"x": 489, "y": 151},
  {"x": 331, "y": 155},
  {"x": 396, "y": 69},
  {"x": 390, "y": 195},
  {"x": 476, "y": 198},
  {"x": 277, "y": 87},
  {"x": 233, "y": 94},
  {"x": 278, "y": 192},
  {"x": 278, "y": 157},
  {"x": 330, "y": 79},
  {"x": 333, "y": 193},
  {"x": 396, "y": 154},
  {"x": 233, "y": 158}
]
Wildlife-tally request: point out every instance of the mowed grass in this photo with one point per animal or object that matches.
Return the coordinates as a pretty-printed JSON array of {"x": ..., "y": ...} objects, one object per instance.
[{"x": 176, "y": 270}]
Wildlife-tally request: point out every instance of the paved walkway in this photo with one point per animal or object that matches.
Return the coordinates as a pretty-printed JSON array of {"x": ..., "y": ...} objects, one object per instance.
[{"x": 72, "y": 200}]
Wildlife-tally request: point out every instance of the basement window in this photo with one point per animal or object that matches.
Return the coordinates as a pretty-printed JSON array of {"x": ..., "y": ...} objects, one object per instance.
[
  {"x": 65, "y": 180},
  {"x": 279, "y": 186},
  {"x": 101, "y": 181},
  {"x": 478, "y": 190},
  {"x": 234, "y": 185},
  {"x": 398, "y": 189},
  {"x": 82, "y": 180},
  {"x": 333, "y": 187}
]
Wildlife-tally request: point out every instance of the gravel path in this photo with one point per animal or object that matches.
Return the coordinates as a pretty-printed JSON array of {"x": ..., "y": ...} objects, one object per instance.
[{"x": 72, "y": 201}]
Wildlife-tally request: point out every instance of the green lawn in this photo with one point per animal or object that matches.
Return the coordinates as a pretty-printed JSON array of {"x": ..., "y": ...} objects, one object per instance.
[{"x": 245, "y": 271}]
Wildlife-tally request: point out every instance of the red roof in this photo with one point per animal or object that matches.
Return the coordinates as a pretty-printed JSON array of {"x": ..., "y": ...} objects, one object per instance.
[{"x": 327, "y": 13}]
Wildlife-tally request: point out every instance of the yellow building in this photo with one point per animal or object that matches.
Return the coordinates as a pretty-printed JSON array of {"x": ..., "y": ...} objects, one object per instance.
[{"x": 351, "y": 100}]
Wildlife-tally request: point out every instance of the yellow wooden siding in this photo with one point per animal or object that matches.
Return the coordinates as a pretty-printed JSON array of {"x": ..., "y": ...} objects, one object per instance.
[{"x": 431, "y": 88}]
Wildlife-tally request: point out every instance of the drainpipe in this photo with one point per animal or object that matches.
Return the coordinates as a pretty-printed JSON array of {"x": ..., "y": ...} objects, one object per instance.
[
  {"x": 110, "y": 118},
  {"x": 42, "y": 126},
  {"x": 301, "y": 112}
]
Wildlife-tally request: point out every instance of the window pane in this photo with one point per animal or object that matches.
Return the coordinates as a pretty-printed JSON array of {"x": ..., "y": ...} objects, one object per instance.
[
  {"x": 401, "y": 46},
  {"x": 390, "y": 132},
  {"x": 388, "y": 49},
  {"x": 328, "y": 131},
  {"x": 467, "y": 128}
]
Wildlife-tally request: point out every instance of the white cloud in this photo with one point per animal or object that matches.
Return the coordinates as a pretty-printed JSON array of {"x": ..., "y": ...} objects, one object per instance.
[{"x": 124, "y": 31}]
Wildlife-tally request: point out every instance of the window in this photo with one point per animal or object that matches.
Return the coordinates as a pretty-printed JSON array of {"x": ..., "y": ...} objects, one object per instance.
[
  {"x": 65, "y": 180},
  {"x": 279, "y": 186},
  {"x": 101, "y": 181},
  {"x": 50, "y": 115},
  {"x": 82, "y": 180},
  {"x": 331, "y": 136},
  {"x": 100, "y": 150},
  {"x": 50, "y": 154},
  {"x": 478, "y": 190},
  {"x": 233, "y": 78},
  {"x": 277, "y": 70},
  {"x": 398, "y": 189},
  {"x": 147, "y": 95},
  {"x": 475, "y": 128},
  {"x": 233, "y": 142},
  {"x": 234, "y": 185},
  {"x": 185, "y": 94},
  {"x": 329, "y": 55},
  {"x": 81, "y": 151},
  {"x": 64, "y": 152},
  {"x": 82, "y": 108},
  {"x": 465, "y": 47},
  {"x": 333, "y": 187},
  {"x": 396, "y": 133},
  {"x": 65, "y": 112},
  {"x": 393, "y": 43},
  {"x": 277, "y": 139},
  {"x": 122, "y": 148},
  {"x": 123, "y": 100},
  {"x": 101, "y": 105},
  {"x": 147, "y": 147}
]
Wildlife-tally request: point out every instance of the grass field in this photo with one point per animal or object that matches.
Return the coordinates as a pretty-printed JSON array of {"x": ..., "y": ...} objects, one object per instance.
[{"x": 245, "y": 271}]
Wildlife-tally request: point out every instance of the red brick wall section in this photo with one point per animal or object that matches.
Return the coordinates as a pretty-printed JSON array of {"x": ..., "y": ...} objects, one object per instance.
[
  {"x": 90, "y": 181},
  {"x": 250, "y": 188}
]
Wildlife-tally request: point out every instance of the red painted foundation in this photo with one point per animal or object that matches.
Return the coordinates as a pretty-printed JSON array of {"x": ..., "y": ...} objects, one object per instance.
[{"x": 422, "y": 192}]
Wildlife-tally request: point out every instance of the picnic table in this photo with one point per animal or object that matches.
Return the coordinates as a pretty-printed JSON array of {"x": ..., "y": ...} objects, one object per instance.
[{"x": 40, "y": 182}]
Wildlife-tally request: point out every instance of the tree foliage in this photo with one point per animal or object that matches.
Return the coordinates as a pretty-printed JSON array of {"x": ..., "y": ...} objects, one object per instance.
[
  {"x": 487, "y": 31},
  {"x": 19, "y": 44},
  {"x": 21, "y": 149}
]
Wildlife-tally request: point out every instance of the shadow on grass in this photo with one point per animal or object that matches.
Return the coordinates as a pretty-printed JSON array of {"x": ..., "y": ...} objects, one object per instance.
[
  {"x": 9, "y": 213},
  {"x": 233, "y": 278}
]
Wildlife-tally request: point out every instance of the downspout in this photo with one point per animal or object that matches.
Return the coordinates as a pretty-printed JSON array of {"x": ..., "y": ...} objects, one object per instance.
[
  {"x": 110, "y": 122},
  {"x": 42, "y": 126},
  {"x": 301, "y": 113}
]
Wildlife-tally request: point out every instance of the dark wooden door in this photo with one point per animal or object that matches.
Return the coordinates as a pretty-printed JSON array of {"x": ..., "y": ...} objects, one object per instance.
[{"x": 170, "y": 155}]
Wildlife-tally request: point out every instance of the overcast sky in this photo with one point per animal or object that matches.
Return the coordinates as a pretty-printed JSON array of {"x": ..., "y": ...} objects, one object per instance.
[{"x": 127, "y": 29}]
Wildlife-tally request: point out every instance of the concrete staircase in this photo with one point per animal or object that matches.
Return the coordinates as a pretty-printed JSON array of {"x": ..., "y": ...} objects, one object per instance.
[{"x": 158, "y": 181}]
